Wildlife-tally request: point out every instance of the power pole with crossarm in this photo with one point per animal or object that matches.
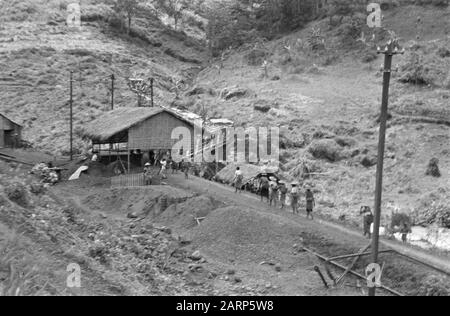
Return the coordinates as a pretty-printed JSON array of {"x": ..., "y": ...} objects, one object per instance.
[{"x": 392, "y": 48}]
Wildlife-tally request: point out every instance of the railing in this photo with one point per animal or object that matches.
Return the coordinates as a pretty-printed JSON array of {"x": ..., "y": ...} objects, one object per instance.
[{"x": 129, "y": 180}]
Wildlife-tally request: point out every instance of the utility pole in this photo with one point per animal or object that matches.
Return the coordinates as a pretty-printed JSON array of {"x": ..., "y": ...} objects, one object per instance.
[
  {"x": 112, "y": 91},
  {"x": 151, "y": 90},
  {"x": 71, "y": 115},
  {"x": 391, "y": 49}
]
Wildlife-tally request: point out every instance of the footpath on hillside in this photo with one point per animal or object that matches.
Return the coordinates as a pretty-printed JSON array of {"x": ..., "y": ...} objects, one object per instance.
[{"x": 226, "y": 194}]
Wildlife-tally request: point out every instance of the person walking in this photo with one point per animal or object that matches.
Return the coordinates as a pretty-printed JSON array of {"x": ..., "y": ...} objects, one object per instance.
[
  {"x": 185, "y": 168},
  {"x": 405, "y": 230},
  {"x": 273, "y": 191},
  {"x": 163, "y": 169},
  {"x": 283, "y": 193},
  {"x": 310, "y": 203},
  {"x": 367, "y": 214},
  {"x": 238, "y": 179},
  {"x": 174, "y": 167},
  {"x": 295, "y": 195},
  {"x": 264, "y": 187},
  {"x": 148, "y": 178}
]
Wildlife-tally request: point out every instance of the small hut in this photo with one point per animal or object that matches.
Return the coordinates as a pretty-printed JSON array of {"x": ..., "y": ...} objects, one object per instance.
[
  {"x": 10, "y": 132},
  {"x": 137, "y": 134}
]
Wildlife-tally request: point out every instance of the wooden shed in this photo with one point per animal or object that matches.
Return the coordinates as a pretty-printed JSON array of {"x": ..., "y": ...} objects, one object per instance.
[
  {"x": 10, "y": 132},
  {"x": 136, "y": 132}
]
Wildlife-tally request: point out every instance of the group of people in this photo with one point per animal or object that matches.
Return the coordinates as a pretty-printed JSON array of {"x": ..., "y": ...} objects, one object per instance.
[
  {"x": 368, "y": 221},
  {"x": 165, "y": 164},
  {"x": 278, "y": 191}
]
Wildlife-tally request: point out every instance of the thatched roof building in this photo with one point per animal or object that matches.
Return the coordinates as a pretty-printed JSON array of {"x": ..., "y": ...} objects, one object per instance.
[{"x": 142, "y": 128}]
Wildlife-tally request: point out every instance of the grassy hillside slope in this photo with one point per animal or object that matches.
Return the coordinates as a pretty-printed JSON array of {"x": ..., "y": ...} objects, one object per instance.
[
  {"x": 38, "y": 51},
  {"x": 328, "y": 102}
]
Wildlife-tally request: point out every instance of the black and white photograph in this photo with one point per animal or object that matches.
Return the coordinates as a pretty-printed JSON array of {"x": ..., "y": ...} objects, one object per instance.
[{"x": 224, "y": 155}]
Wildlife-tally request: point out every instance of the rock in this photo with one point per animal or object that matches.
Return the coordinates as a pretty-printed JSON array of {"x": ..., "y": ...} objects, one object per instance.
[
  {"x": 196, "y": 91},
  {"x": 369, "y": 161},
  {"x": 132, "y": 215},
  {"x": 233, "y": 92},
  {"x": 231, "y": 272},
  {"x": 166, "y": 230},
  {"x": 237, "y": 279},
  {"x": 278, "y": 267},
  {"x": 196, "y": 256},
  {"x": 184, "y": 241}
]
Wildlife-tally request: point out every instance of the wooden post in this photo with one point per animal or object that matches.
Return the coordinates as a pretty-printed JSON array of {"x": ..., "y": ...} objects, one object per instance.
[
  {"x": 129, "y": 159},
  {"x": 390, "y": 50},
  {"x": 151, "y": 91},
  {"x": 71, "y": 115},
  {"x": 112, "y": 91}
]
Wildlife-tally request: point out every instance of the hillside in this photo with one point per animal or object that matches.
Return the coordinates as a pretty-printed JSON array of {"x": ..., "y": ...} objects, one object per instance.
[
  {"x": 333, "y": 98},
  {"x": 37, "y": 53},
  {"x": 192, "y": 236}
]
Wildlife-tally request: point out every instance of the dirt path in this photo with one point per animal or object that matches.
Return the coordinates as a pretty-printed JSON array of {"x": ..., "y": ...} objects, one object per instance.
[{"x": 227, "y": 195}]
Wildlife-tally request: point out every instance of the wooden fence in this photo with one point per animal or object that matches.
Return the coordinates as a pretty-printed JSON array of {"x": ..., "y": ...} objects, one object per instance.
[{"x": 129, "y": 180}]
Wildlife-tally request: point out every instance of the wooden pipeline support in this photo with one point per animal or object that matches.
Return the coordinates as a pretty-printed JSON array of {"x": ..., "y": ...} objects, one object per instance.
[
  {"x": 392, "y": 291},
  {"x": 317, "y": 269}
]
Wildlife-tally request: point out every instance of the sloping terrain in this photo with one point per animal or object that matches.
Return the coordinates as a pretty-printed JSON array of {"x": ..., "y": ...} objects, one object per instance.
[
  {"x": 327, "y": 105},
  {"x": 38, "y": 51}
]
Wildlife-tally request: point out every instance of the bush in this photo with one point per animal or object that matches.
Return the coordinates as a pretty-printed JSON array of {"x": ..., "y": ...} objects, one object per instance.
[
  {"x": 433, "y": 168},
  {"x": 326, "y": 149},
  {"x": 369, "y": 56},
  {"x": 434, "y": 286},
  {"x": 345, "y": 141},
  {"x": 17, "y": 193},
  {"x": 433, "y": 209},
  {"x": 424, "y": 67},
  {"x": 255, "y": 57}
]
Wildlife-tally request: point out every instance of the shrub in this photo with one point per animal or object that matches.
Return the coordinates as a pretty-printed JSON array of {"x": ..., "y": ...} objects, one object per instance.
[
  {"x": 433, "y": 168},
  {"x": 434, "y": 286},
  {"x": 345, "y": 141},
  {"x": 369, "y": 56},
  {"x": 443, "y": 52},
  {"x": 316, "y": 40},
  {"x": 255, "y": 57},
  {"x": 326, "y": 149},
  {"x": 17, "y": 193}
]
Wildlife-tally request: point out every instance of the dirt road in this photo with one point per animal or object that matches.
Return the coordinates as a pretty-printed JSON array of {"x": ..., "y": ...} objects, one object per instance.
[{"x": 227, "y": 195}]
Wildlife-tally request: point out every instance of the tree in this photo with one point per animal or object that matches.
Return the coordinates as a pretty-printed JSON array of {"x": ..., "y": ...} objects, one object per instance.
[
  {"x": 129, "y": 8},
  {"x": 173, "y": 8}
]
